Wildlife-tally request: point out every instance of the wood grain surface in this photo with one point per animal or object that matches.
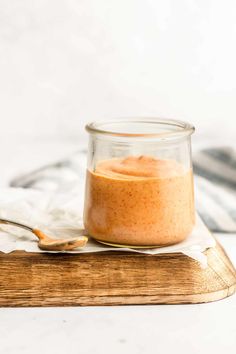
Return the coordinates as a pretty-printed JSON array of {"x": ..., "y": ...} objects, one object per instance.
[{"x": 114, "y": 278}]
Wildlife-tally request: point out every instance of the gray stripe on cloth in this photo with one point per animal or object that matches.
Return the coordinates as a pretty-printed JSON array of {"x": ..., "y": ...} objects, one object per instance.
[
  {"x": 225, "y": 155},
  {"x": 222, "y": 202},
  {"x": 218, "y": 216},
  {"x": 213, "y": 177}
]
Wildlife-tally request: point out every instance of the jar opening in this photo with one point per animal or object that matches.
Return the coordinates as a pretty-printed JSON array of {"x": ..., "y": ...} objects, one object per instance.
[{"x": 161, "y": 129}]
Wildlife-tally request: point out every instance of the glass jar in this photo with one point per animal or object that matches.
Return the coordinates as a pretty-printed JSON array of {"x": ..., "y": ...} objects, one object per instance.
[{"x": 139, "y": 184}]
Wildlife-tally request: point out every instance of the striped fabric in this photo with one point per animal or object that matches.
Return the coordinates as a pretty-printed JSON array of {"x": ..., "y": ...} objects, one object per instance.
[
  {"x": 215, "y": 183},
  {"x": 215, "y": 188}
]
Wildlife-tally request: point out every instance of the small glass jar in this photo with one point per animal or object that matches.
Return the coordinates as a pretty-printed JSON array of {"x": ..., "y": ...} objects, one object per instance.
[{"x": 139, "y": 185}]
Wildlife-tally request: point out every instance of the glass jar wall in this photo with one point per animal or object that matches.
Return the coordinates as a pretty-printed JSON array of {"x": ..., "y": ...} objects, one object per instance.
[{"x": 139, "y": 186}]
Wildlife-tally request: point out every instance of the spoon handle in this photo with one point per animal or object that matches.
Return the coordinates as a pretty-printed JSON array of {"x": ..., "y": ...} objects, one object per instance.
[{"x": 9, "y": 222}]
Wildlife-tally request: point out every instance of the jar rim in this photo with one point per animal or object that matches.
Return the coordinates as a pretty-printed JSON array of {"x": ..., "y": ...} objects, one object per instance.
[{"x": 182, "y": 128}]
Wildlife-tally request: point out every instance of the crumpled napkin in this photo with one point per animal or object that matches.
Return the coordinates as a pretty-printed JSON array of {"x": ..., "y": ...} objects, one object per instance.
[{"x": 60, "y": 214}]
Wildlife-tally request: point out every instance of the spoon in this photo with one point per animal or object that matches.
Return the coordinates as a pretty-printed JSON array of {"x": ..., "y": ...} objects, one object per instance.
[{"x": 48, "y": 243}]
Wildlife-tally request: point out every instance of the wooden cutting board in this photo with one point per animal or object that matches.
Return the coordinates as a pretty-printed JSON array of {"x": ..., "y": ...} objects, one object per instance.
[{"x": 114, "y": 278}]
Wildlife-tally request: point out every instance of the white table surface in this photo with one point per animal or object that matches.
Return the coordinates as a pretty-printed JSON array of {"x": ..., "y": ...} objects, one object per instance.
[{"x": 205, "y": 328}]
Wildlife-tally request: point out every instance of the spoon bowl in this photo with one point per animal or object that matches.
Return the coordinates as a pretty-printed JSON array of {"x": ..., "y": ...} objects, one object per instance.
[{"x": 49, "y": 243}]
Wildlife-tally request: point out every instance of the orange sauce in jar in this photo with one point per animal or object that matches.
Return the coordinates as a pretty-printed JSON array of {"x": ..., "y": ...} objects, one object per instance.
[{"x": 139, "y": 201}]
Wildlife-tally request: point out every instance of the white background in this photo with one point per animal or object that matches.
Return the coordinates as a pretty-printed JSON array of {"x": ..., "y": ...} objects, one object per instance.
[{"x": 66, "y": 62}]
